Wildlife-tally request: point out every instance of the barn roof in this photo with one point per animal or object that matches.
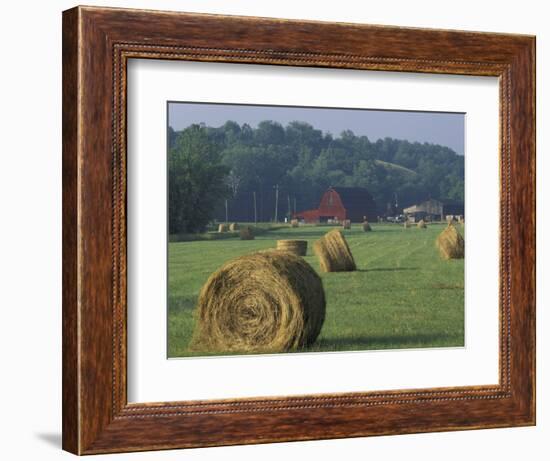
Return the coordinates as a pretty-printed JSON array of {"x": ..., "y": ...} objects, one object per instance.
[
  {"x": 353, "y": 196},
  {"x": 431, "y": 204},
  {"x": 357, "y": 201}
]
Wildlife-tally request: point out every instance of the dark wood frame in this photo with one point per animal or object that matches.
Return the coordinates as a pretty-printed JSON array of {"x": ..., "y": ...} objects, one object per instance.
[{"x": 97, "y": 43}]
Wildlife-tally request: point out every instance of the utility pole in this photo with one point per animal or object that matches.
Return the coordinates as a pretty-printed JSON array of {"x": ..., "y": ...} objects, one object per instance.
[
  {"x": 255, "y": 209},
  {"x": 289, "y": 208},
  {"x": 276, "y": 202},
  {"x": 226, "y": 211}
]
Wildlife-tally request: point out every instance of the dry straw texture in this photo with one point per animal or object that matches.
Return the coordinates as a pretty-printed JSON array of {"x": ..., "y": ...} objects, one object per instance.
[
  {"x": 334, "y": 253},
  {"x": 233, "y": 227},
  {"x": 294, "y": 223},
  {"x": 422, "y": 224},
  {"x": 222, "y": 228},
  {"x": 450, "y": 243},
  {"x": 246, "y": 233},
  {"x": 346, "y": 224},
  {"x": 269, "y": 301},
  {"x": 297, "y": 247},
  {"x": 366, "y": 227}
]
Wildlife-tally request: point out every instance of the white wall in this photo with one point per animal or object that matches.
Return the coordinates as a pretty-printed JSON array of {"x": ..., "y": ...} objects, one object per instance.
[{"x": 30, "y": 229}]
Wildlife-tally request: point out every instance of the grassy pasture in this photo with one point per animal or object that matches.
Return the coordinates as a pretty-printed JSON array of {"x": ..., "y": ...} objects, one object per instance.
[{"x": 402, "y": 295}]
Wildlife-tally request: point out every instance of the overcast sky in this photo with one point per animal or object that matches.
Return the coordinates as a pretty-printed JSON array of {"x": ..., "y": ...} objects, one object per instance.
[{"x": 442, "y": 128}]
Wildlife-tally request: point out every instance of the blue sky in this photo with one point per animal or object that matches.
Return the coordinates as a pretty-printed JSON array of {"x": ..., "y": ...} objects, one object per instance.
[{"x": 443, "y": 128}]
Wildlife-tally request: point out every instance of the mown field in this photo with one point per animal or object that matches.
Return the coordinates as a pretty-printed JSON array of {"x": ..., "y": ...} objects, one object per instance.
[{"x": 402, "y": 295}]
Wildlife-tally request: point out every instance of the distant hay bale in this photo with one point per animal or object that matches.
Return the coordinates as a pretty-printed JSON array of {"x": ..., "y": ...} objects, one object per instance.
[
  {"x": 334, "y": 253},
  {"x": 346, "y": 224},
  {"x": 297, "y": 247},
  {"x": 269, "y": 301},
  {"x": 421, "y": 224},
  {"x": 366, "y": 227},
  {"x": 233, "y": 227},
  {"x": 294, "y": 223},
  {"x": 450, "y": 243},
  {"x": 246, "y": 233},
  {"x": 222, "y": 228}
]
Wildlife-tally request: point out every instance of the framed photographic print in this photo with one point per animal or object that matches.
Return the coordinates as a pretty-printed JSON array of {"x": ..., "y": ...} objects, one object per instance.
[{"x": 284, "y": 230}]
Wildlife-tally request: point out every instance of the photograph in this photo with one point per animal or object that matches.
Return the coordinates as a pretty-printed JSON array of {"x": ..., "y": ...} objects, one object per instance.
[
  {"x": 278, "y": 225},
  {"x": 313, "y": 229}
]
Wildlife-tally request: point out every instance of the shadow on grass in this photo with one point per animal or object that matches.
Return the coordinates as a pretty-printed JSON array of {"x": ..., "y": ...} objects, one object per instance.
[
  {"x": 354, "y": 344},
  {"x": 212, "y": 235},
  {"x": 389, "y": 269},
  {"x": 309, "y": 234},
  {"x": 178, "y": 303},
  {"x": 388, "y": 342},
  {"x": 385, "y": 229}
]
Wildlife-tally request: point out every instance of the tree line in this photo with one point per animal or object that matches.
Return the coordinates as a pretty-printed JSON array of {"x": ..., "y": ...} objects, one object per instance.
[{"x": 245, "y": 173}]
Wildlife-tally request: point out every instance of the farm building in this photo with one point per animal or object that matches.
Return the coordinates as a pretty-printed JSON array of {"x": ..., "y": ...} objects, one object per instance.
[
  {"x": 434, "y": 210},
  {"x": 339, "y": 203}
]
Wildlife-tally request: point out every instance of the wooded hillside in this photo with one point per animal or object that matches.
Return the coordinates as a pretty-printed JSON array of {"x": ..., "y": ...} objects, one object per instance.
[{"x": 235, "y": 162}]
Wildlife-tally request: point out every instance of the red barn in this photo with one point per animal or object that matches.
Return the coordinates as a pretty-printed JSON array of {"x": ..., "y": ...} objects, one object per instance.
[{"x": 353, "y": 203}]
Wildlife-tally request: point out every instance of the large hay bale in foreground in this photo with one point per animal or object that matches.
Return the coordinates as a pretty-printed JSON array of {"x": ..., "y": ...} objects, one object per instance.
[
  {"x": 297, "y": 247},
  {"x": 246, "y": 233},
  {"x": 294, "y": 223},
  {"x": 222, "y": 228},
  {"x": 421, "y": 224},
  {"x": 334, "y": 253},
  {"x": 366, "y": 227},
  {"x": 346, "y": 224},
  {"x": 269, "y": 301},
  {"x": 450, "y": 243},
  {"x": 233, "y": 227}
]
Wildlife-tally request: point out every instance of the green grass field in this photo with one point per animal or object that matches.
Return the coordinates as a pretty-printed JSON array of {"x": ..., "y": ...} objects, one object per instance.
[{"x": 402, "y": 295}]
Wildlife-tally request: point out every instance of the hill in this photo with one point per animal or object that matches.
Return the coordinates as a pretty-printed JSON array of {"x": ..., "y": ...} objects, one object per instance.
[{"x": 273, "y": 170}]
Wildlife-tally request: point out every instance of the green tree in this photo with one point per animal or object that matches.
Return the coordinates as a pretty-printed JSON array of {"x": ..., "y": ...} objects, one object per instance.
[
  {"x": 302, "y": 162},
  {"x": 197, "y": 181},
  {"x": 269, "y": 132}
]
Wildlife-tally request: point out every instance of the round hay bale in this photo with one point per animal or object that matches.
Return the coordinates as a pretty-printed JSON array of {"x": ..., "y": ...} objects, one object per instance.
[
  {"x": 294, "y": 223},
  {"x": 450, "y": 243},
  {"x": 421, "y": 224},
  {"x": 269, "y": 301},
  {"x": 246, "y": 233},
  {"x": 334, "y": 253},
  {"x": 233, "y": 227},
  {"x": 297, "y": 247},
  {"x": 346, "y": 224},
  {"x": 222, "y": 228},
  {"x": 366, "y": 227}
]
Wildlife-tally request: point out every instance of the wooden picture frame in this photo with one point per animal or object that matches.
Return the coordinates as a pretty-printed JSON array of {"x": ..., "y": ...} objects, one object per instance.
[{"x": 97, "y": 43}]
